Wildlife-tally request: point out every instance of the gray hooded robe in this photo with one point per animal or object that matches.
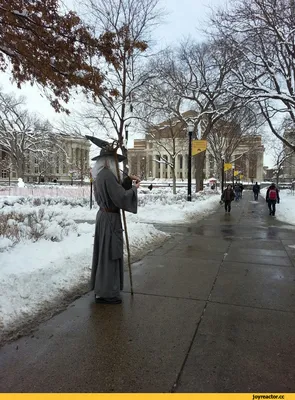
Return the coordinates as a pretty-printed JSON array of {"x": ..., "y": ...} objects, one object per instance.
[{"x": 107, "y": 263}]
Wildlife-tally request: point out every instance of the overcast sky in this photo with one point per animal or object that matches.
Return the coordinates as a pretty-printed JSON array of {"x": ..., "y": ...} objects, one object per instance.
[{"x": 185, "y": 18}]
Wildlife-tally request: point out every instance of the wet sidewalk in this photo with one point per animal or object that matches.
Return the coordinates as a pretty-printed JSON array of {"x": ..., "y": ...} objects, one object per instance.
[{"x": 213, "y": 311}]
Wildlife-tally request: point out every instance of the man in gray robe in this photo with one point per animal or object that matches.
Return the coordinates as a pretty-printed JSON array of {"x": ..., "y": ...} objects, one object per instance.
[{"x": 107, "y": 264}]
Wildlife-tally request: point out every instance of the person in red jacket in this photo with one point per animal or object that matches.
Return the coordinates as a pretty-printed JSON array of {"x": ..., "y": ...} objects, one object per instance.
[{"x": 272, "y": 198}]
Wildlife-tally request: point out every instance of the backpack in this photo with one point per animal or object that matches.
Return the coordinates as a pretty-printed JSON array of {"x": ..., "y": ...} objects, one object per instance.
[{"x": 272, "y": 195}]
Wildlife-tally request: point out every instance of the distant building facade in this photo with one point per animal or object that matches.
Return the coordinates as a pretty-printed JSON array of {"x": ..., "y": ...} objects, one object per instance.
[
  {"x": 288, "y": 167},
  {"x": 68, "y": 160},
  {"x": 146, "y": 157}
]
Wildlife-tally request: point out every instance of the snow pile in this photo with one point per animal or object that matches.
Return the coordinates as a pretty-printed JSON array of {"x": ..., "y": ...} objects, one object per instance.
[
  {"x": 45, "y": 255},
  {"x": 45, "y": 201},
  {"x": 35, "y": 276},
  {"x": 31, "y": 225},
  {"x": 161, "y": 206},
  {"x": 156, "y": 206},
  {"x": 285, "y": 211},
  {"x": 5, "y": 243}
]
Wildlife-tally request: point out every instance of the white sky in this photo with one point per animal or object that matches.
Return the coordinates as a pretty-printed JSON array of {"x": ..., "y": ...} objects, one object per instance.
[{"x": 185, "y": 18}]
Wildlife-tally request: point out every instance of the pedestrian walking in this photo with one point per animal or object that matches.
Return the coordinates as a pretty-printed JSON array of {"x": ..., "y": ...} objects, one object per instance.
[
  {"x": 227, "y": 197},
  {"x": 111, "y": 196},
  {"x": 256, "y": 191},
  {"x": 241, "y": 190},
  {"x": 272, "y": 198},
  {"x": 237, "y": 190}
]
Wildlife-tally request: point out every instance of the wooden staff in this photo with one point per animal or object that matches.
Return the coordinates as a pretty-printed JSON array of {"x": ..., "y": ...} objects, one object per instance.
[{"x": 125, "y": 229}]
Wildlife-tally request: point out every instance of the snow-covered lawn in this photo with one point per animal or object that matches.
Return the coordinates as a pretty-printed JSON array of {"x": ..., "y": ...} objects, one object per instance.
[
  {"x": 285, "y": 211},
  {"x": 46, "y": 255}
]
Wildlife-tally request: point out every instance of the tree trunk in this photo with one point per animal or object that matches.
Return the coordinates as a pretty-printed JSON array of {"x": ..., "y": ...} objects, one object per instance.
[
  {"x": 174, "y": 178},
  {"x": 20, "y": 169},
  {"x": 125, "y": 162},
  {"x": 199, "y": 160}
]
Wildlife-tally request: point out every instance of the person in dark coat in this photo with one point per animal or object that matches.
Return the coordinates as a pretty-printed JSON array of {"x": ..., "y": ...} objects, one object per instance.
[
  {"x": 272, "y": 198},
  {"x": 107, "y": 263},
  {"x": 237, "y": 192},
  {"x": 242, "y": 188},
  {"x": 227, "y": 197},
  {"x": 256, "y": 191}
]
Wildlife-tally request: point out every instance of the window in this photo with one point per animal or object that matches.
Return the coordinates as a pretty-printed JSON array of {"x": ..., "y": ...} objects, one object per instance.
[
  {"x": 181, "y": 162},
  {"x": 64, "y": 164},
  {"x": 165, "y": 157},
  {"x": 36, "y": 169},
  {"x": 158, "y": 164},
  {"x": 4, "y": 173}
]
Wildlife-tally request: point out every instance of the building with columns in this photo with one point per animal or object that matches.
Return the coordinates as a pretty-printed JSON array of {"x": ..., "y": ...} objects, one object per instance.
[
  {"x": 144, "y": 160},
  {"x": 147, "y": 157},
  {"x": 246, "y": 158},
  {"x": 66, "y": 160},
  {"x": 288, "y": 157}
]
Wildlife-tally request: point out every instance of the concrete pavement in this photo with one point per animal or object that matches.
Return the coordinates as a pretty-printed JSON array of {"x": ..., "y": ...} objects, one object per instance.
[{"x": 213, "y": 311}]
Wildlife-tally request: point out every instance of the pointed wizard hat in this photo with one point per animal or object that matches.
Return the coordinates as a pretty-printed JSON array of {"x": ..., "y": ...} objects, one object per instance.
[{"x": 107, "y": 149}]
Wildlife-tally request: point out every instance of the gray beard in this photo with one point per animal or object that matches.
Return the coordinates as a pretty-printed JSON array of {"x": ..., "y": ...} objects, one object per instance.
[{"x": 105, "y": 162}]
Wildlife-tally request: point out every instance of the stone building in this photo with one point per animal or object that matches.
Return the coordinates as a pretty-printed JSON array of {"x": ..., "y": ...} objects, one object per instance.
[
  {"x": 288, "y": 167},
  {"x": 248, "y": 158},
  {"x": 146, "y": 158},
  {"x": 67, "y": 160}
]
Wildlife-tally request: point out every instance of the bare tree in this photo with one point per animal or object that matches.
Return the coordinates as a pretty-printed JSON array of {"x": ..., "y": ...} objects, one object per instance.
[
  {"x": 130, "y": 22},
  {"x": 234, "y": 130},
  {"x": 282, "y": 159},
  {"x": 200, "y": 74},
  {"x": 21, "y": 134},
  {"x": 262, "y": 33},
  {"x": 164, "y": 123},
  {"x": 5, "y": 164},
  {"x": 79, "y": 168}
]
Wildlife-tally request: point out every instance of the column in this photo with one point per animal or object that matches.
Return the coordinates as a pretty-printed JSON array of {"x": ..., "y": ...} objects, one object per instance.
[
  {"x": 138, "y": 165},
  {"x": 147, "y": 165},
  {"x": 161, "y": 169},
  {"x": 259, "y": 173},
  {"x": 177, "y": 166},
  {"x": 154, "y": 166}
]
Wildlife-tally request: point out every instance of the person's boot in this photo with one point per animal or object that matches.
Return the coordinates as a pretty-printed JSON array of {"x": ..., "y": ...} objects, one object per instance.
[{"x": 107, "y": 300}]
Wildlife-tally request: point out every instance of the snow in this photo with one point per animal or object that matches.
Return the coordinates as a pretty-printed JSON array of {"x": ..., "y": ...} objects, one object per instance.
[
  {"x": 20, "y": 183},
  {"x": 285, "y": 210},
  {"x": 38, "y": 273},
  {"x": 5, "y": 243},
  {"x": 24, "y": 13}
]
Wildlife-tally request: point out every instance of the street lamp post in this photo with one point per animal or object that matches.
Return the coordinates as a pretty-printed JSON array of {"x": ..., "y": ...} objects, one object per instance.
[
  {"x": 190, "y": 129},
  {"x": 222, "y": 174}
]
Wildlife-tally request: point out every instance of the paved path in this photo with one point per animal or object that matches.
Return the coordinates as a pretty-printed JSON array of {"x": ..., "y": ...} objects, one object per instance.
[{"x": 213, "y": 311}]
